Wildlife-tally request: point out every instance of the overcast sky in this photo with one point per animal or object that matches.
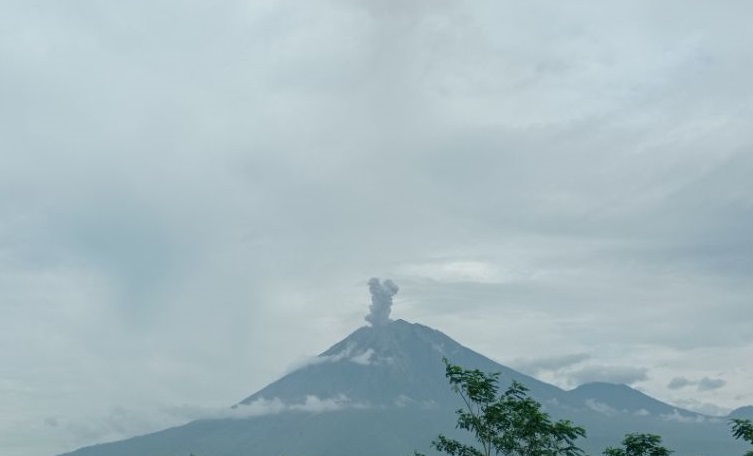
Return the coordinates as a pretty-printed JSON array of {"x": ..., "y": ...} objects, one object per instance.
[{"x": 194, "y": 194}]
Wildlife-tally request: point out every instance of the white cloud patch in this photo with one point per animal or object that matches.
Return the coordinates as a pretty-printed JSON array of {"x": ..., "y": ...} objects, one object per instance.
[
  {"x": 365, "y": 358},
  {"x": 683, "y": 418},
  {"x": 601, "y": 407},
  {"x": 351, "y": 353},
  {"x": 709, "y": 384},
  {"x": 404, "y": 401},
  {"x": 312, "y": 404},
  {"x": 345, "y": 354}
]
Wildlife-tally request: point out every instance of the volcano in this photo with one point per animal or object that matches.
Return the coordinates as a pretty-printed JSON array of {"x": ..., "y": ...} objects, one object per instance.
[{"x": 382, "y": 391}]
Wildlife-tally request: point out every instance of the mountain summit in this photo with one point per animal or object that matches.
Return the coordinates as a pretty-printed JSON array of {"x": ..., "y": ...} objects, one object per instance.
[{"x": 392, "y": 364}]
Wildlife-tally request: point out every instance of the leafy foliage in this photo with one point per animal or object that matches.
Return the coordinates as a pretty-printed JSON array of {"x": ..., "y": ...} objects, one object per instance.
[
  {"x": 743, "y": 429},
  {"x": 510, "y": 424},
  {"x": 637, "y": 444}
]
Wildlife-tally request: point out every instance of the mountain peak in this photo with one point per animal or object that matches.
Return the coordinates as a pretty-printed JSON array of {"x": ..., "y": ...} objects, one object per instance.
[
  {"x": 393, "y": 363},
  {"x": 386, "y": 339},
  {"x": 377, "y": 365}
]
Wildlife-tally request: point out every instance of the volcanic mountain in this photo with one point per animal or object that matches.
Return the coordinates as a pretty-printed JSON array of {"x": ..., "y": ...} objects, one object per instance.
[
  {"x": 394, "y": 364},
  {"x": 382, "y": 391}
]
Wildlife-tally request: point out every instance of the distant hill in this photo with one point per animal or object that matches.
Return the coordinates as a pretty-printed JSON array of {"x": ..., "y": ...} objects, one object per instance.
[
  {"x": 617, "y": 398},
  {"x": 382, "y": 391},
  {"x": 742, "y": 412}
]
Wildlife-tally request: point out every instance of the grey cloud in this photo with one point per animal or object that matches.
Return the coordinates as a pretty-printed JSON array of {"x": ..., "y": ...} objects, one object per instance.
[
  {"x": 171, "y": 170},
  {"x": 708, "y": 384},
  {"x": 612, "y": 374},
  {"x": 679, "y": 382},
  {"x": 551, "y": 363},
  {"x": 703, "y": 384}
]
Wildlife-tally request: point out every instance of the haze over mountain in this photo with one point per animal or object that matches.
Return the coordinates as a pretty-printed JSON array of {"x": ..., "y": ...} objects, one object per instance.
[
  {"x": 382, "y": 391},
  {"x": 193, "y": 192}
]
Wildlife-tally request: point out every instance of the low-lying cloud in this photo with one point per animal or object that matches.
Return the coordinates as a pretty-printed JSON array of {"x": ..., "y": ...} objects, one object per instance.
[
  {"x": 350, "y": 353},
  {"x": 601, "y": 407},
  {"x": 535, "y": 366},
  {"x": 312, "y": 404},
  {"x": 627, "y": 375},
  {"x": 702, "y": 384},
  {"x": 682, "y": 418}
]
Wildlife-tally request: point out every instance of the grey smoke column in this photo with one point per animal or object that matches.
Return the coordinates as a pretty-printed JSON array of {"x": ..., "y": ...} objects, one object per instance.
[{"x": 381, "y": 301}]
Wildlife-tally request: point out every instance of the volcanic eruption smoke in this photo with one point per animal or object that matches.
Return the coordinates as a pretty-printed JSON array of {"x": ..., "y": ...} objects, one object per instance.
[{"x": 381, "y": 301}]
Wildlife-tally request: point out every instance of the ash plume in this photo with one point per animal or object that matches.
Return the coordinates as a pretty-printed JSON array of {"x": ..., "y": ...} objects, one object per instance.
[{"x": 381, "y": 301}]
